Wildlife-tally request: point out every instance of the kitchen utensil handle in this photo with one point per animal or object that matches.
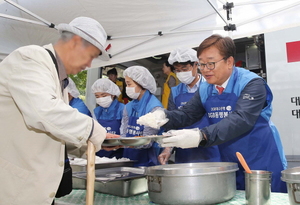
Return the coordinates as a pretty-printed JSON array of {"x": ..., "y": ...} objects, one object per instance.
[
  {"x": 90, "y": 174},
  {"x": 243, "y": 162}
]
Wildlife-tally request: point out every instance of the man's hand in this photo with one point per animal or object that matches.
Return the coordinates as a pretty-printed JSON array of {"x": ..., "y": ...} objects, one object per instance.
[
  {"x": 110, "y": 148},
  {"x": 186, "y": 138},
  {"x": 98, "y": 135},
  {"x": 154, "y": 119}
]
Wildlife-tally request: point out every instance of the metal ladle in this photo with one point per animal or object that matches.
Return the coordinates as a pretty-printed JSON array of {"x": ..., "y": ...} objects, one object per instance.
[{"x": 243, "y": 163}]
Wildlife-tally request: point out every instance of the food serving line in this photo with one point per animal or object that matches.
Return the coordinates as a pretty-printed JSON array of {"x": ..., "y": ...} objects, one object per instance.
[{"x": 187, "y": 183}]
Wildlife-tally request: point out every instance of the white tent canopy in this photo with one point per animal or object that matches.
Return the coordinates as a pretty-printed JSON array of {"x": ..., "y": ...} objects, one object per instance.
[{"x": 140, "y": 29}]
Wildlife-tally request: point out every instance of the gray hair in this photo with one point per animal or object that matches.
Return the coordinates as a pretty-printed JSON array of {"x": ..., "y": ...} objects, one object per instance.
[{"x": 65, "y": 36}]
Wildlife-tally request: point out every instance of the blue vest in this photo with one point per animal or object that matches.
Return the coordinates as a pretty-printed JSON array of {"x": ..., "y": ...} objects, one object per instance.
[
  {"x": 80, "y": 106},
  {"x": 110, "y": 118},
  {"x": 199, "y": 154},
  {"x": 135, "y": 109},
  {"x": 261, "y": 146}
]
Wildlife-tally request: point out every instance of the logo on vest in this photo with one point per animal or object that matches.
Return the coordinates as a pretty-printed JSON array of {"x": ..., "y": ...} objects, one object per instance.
[
  {"x": 219, "y": 112},
  {"x": 134, "y": 130}
]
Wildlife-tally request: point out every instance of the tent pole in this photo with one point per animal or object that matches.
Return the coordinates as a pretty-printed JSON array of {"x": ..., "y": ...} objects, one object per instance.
[
  {"x": 177, "y": 27},
  {"x": 217, "y": 11},
  {"x": 171, "y": 32},
  {"x": 156, "y": 35},
  {"x": 30, "y": 13},
  {"x": 21, "y": 19}
]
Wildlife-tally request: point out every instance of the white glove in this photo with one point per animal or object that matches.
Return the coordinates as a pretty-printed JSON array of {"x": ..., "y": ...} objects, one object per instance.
[
  {"x": 186, "y": 138},
  {"x": 154, "y": 119},
  {"x": 98, "y": 136}
]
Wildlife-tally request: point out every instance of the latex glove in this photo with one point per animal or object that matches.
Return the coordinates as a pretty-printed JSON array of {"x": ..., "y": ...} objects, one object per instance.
[
  {"x": 165, "y": 155},
  {"x": 154, "y": 119},
  {"x": 186, "y": 138},
  {"x": 98, "y": 135}
]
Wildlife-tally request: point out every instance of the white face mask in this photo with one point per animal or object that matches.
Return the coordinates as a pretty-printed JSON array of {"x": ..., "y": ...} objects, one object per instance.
[
  {"x": 185, "y": 77},
  {"x": 104, "y": 101},
  {"x": 130, "y": 91}
]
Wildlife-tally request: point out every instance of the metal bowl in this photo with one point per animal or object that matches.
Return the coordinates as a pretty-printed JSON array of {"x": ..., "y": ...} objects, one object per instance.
[{"x": 192, "y": 183}]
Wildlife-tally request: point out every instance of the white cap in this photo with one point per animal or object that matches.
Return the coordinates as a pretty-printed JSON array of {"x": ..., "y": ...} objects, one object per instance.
[
  {"x": 104, "y": 85},
  {"x": 90, "y": 30},
  {"x": 72, "y": 89},
  {"x": 142, "y": 76},
  {"x": 182, "y": 55}
]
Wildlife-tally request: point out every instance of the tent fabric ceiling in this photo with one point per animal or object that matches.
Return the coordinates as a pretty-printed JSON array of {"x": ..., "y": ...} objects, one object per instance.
[{"x": 134, "y": 25}]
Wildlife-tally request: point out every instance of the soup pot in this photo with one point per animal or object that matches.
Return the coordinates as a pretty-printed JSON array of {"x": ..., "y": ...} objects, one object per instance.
[
  {"x": 192, "y": 183},
  {"x": 292, "y": 178}
]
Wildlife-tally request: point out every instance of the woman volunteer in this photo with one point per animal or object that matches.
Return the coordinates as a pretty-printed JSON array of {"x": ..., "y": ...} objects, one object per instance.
[
  {"x": 74, "y": 100},
  {"x": 141, "y": 87},
  {"x": 109, "y": 112}
]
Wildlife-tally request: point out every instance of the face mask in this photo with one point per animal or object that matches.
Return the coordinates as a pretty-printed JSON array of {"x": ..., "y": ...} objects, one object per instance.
[
  {"x": 130, "y": 91},
  {"x": 104, "y": 101},
  {"x": 185, "y": 77}
]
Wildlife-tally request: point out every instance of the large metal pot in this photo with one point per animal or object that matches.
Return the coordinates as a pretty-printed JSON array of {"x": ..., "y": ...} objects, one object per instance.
[
  {"x": 192, "y": 183},
  {"x": 292, "y": 178}
]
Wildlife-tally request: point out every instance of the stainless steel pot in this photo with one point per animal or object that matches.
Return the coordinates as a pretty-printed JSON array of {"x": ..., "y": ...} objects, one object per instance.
[
  {"x": 292, "y": 178},
  {"x": 192, "y": 183}
]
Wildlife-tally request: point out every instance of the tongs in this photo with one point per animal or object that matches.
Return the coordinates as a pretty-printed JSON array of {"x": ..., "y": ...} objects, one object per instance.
[{"x": 90, "y": 184}]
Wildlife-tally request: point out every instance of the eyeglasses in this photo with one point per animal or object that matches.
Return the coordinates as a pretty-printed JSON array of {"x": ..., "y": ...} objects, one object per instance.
[
  {"x": 183, "y": 68},
  {"x": 209, "y": 65}
]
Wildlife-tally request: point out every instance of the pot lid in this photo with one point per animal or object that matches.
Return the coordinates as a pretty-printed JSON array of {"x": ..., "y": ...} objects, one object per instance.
[
  {"x": 192, "y": 169},
  {"x": 291, "y": 175}
]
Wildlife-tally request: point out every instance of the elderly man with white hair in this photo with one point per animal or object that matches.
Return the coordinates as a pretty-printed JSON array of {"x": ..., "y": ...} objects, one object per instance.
[
  {"x": 140, "y": 87},
  {"x": 109, "y": 112},
  {"x": 75, "y": 101},
  {"x": 36, "y": 119},
  {"x": 185, "y": 64}
]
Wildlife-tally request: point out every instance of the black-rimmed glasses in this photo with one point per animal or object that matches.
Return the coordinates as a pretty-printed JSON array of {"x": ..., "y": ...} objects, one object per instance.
[{"x": 209, "y": 65}]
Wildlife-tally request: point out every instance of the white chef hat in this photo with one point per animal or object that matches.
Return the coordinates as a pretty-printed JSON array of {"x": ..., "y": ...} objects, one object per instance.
[
  {"x": 182, "y": 55},
  {"x": 89, "y": 29},
  {"x": 105, "y": 85},
  {"x": 142, "y": 76},
  {"x": 72, "y": 89}
]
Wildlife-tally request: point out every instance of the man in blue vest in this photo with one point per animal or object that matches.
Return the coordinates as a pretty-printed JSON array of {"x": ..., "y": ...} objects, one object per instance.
[
  {"x": 185, "y": 62},
  {"x": 239, "y": 116}
]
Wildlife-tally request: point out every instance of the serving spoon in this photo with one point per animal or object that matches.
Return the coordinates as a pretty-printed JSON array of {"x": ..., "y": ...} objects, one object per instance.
[{"x": 243, "y": 162}]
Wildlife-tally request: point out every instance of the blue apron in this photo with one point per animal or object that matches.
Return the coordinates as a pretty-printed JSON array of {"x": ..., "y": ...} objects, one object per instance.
[
  {"x": 198, "y": 154},
  {"x": 112, "y": 126},
  {"x": 262, "y": 157},
  {"x": 143, "y": 157}
]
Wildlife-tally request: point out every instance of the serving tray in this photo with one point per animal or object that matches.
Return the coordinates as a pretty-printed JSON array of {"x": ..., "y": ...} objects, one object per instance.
[{"x": 132, "y": 141}]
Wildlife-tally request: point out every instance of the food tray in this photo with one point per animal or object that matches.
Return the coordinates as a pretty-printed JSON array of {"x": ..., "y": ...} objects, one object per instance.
[
  {"x": 118, "y": 181},
  {"x": 82, "y": 168},
  {"x": 132, "y": 141}
]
